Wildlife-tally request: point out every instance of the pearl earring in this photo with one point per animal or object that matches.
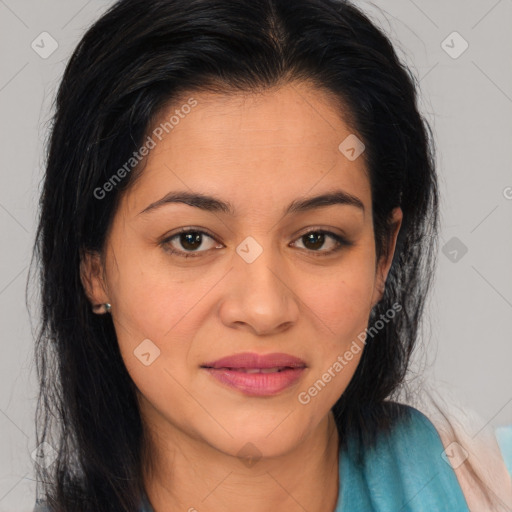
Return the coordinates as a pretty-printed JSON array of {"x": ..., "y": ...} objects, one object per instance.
[{"x": 106, "y": 307}]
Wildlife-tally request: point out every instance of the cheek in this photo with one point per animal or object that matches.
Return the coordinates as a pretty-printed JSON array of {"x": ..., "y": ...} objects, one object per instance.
[
  {"x": 153, "y": 298},
  {"x": 341, "y": 298},
  {"x": 340, "y": 304},
  {"x": 156, "y": 320}
]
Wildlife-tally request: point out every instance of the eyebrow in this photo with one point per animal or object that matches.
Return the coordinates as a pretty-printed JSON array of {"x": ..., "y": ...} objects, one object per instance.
[{"x": 213, "y": 204}]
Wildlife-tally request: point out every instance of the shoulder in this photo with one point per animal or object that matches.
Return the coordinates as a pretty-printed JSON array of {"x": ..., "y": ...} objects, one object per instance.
[
  {"x": 481, "y": 467},
  {"x": 416, "y": 444},
  {"x": 406, "y": 469},
  {"x": 412, "y": 429}
]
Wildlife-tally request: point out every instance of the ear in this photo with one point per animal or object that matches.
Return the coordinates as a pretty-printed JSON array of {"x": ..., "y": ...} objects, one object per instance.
[
  {"x": 386, "y": 258},
  {"x": 92, "y": 277}
]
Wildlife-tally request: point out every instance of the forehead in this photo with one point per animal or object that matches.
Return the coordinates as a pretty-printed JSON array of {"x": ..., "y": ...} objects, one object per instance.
[
  {"x": 296, "y": 113},
  {"x": 279, "y": 142}
]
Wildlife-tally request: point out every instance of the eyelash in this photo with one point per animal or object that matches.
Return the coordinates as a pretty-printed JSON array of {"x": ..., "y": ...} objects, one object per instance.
[{"x": 341, "y": 241}]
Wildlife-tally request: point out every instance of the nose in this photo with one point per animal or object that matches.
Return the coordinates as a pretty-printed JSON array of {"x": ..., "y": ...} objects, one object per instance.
[{"x": 259, "y": 296}]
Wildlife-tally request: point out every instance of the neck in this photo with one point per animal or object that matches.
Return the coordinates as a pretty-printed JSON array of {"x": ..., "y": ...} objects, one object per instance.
[{"x": 188, "y": 474}]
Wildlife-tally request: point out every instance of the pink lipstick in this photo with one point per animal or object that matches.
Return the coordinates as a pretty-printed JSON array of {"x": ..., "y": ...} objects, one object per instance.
[{"x": 257, "y": 374}]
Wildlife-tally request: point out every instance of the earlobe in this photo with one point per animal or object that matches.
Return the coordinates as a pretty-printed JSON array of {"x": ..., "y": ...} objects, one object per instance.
[
  {"x": 91, "y": 275},
  {"x": 102, "y": 308}
]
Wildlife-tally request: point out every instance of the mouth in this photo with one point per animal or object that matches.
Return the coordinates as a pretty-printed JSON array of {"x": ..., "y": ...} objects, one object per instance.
[
  {"x": 254, "y": 370},
  {"x": 257, "y": 375}
]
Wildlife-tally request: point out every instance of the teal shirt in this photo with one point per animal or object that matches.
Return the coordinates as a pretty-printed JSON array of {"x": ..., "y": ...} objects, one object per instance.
[{"x": 404, "y": 472}]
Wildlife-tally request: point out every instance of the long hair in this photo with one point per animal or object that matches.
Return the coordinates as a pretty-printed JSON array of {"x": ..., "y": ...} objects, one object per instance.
[{"x": 139, "y": 56}]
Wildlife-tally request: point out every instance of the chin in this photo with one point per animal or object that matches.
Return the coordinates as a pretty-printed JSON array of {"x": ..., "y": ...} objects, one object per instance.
[{"x": 254, "y": 443}]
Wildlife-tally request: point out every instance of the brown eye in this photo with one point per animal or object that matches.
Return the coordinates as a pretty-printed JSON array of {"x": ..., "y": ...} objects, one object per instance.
[
  {"x": 187, "y": 242},
  {"x": 313, "y": 241},
  {"x": 191, "y": 240}
]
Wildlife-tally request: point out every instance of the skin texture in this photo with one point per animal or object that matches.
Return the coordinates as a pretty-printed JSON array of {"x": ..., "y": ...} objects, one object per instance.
[{"x": 259, "y": 152}]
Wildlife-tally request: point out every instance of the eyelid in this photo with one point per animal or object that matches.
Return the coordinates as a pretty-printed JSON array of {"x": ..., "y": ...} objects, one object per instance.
[
  {"x": 315, "y": 229},
  {"x": 188, "y": 229}
]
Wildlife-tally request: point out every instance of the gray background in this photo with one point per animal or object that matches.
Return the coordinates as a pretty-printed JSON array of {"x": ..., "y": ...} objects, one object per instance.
[{"x": 468, "y": 100}]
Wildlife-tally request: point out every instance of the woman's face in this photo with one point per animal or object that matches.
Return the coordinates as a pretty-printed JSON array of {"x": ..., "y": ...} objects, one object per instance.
[{"x": 253, "y": 282}]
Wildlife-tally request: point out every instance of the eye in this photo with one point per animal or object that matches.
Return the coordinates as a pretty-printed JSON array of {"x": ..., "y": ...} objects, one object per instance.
[
  {"x": 190, "y": 242},
  {"x": 187, "y": 242},
  {"x": 316, "y": 239}
]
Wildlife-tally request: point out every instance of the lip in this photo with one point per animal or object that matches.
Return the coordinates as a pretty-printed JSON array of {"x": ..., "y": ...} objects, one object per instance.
[
  {"x": 253, "y": 360},
  {"x": 240, "y": 371}
]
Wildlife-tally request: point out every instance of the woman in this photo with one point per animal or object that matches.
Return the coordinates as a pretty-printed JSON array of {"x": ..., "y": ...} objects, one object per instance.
[{"x": 237, "y": 235}]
